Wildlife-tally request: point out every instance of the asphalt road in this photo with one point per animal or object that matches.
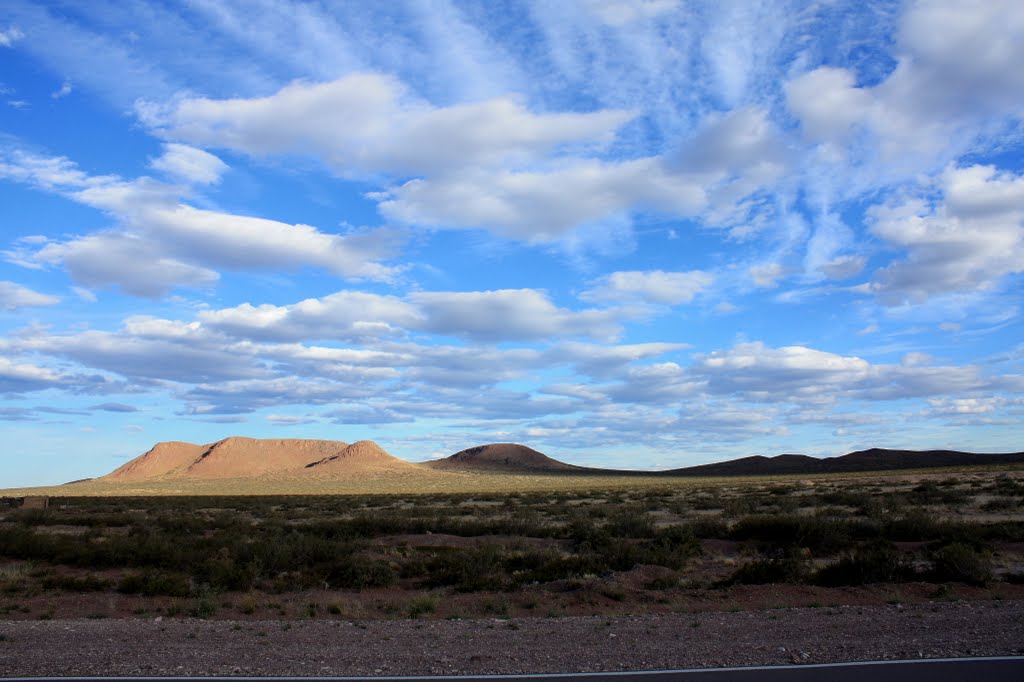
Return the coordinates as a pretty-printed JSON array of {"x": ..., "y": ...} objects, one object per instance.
[{"x": 1008, "y": 669}]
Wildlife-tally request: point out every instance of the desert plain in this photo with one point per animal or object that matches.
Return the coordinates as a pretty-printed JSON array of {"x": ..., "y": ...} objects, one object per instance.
[{"x": 304, "y": 547}]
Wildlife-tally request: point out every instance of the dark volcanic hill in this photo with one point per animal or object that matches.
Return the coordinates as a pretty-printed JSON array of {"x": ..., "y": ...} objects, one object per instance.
[
  {"x": 510, "y": 457},
  {"x": 875, "y": 459}
]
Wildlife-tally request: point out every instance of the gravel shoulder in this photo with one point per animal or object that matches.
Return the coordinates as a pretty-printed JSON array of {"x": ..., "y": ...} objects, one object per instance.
[{"x": 156, "y": 647}]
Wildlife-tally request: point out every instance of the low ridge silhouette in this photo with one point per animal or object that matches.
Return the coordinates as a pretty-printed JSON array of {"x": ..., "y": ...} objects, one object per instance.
[{"x": 238, "y": 457}]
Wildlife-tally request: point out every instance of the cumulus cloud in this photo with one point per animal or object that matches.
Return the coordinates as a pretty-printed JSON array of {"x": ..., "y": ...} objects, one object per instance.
[
  {"x": 189, "y": 358},
  {"x": 189, "y": 164},
  {"x": 489, "y": 165},
  {"x": 797, "y": 373},
  {"x": 968, "y": 241},
  {"x": 761, "y": 372},
  {"x": 14, "y": 296},
  {"x": 161, "y": 242},
  {"x": 511, "y": 314},
  {"x": 828, "y": 102},
  {"x": 740, "y": 141},
  {"x": 241, "y": 396},
  {"x": 731, "y": 157},
  {"x": 653, "y": 286},
  {"x": 767, "y": 275},
  {"x": 544, "y": 205},
  {"x": 659, "y": 383},
  {"x": 136, "y": 265},
  {"x": 366, "y": 124},
  {"x": 957, "y": 75},
  {"x": 730, "y": 422},
  {"x": 342, "y": 315},
  {"x": 22, "y": 377}
]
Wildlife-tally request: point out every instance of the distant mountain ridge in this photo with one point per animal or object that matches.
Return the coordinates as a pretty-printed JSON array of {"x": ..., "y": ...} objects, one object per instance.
[
  {"x": 238, "y": 457},
  {"x": 873, "y": 459}
]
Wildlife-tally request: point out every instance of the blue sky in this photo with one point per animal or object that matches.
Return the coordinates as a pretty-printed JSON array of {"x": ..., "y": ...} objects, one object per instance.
[{"x": 641, "y": 234}]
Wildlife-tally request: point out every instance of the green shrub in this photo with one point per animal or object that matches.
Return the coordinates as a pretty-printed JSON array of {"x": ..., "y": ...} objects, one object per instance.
[
  {"x": 819, "y": 534},
  {"x": 86, "y": 583},
  {"x": 358, "y": 573},
  {"x": 630, "y": 523},
  {"x": 790, "y": 565},
  {"x": 875, "y": 562},
  {"x": 422, "y": 605},
  {"x": 472, "y": 569},
  {"x": 960, "y": 562},
  {"x": 204, "y": 607},
  {"x": 713, "y": 527},
  {"x": 1001, "y": 504},
  {"x": 155, "y": 583}
]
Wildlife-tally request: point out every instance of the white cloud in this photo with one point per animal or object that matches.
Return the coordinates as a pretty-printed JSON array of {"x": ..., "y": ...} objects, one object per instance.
[
  {"x": 970, "y": 408},
  {"x": 64, "y": 91},
  {"x": 162, "y": 243},
  {"x": 603, "y": 361},
  {"x": 622, "y": 12},
  {"x": 843, "y": 267},
  {"x": 916, "y": 359},
  {"x": 190, "y": 358},
  {"x": 342, "y": 315},
  {"x": 508, "y": 314},
  {"x": 365, "y": 124},
  {"x": 21, "y": 377},
  {"x": 767, "y": 275},
  {"x": 85, "y": 294},
  {"x": 730, "y": 422},
  {"x": 969, "y": 241},
  {"x": 47, "y": 172},
  {"x": 247, "y": 395},
  {"x": 726, "y": 308},
  {"x": 290, "y": 419},
  {"x": 490, "y": 165},
  {"x": 963, "y": 56},
  {"x": 661, "y": 383},
  {"x": 189, "y": 164},
  {"x": 800, "y": 374},
  {"x": 542, "y": 206},
  {"x": 827, "y": 102},
  {"x": 743, "y": 141},
  {"x": 12, "y": 35},
  {"x": 653, "y": 286},
  {"x": 957, "y": 77},
  {"x": 14, "y": 296},
  {"x": 773, "y": 373},
  {"x": 136, "y": 265}
]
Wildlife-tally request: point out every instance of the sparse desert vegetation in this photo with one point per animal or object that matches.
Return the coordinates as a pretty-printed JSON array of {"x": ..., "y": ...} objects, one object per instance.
[{"x": 640, "y": 546}]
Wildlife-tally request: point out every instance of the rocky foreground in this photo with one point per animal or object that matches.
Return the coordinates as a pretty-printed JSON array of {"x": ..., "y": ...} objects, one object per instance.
[{"x": 153, "y": 647}]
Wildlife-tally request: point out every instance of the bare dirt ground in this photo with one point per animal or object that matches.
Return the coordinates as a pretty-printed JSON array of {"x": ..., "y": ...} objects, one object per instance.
[{"x": 157, "y": 646}]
